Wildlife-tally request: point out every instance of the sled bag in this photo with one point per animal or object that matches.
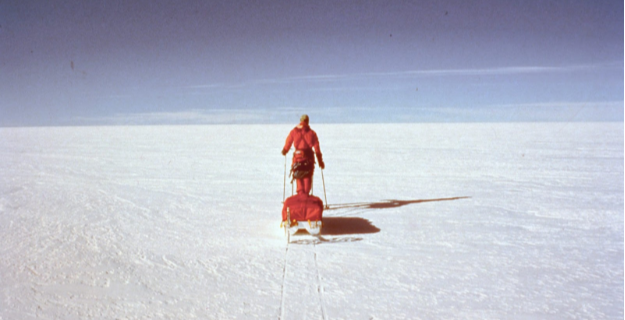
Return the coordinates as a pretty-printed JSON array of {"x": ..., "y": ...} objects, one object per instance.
[{"x": 303, "y": 208}]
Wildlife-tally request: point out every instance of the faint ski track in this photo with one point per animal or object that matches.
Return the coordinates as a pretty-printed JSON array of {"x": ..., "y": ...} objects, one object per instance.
[
  {"x": 284, "y": 269},
  {"x": 320, "y": 288}
]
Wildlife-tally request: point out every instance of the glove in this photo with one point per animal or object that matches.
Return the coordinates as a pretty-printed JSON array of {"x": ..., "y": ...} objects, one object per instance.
[
  {"x": 284, "y": 152},
  {"x": 321, "y": 164}
]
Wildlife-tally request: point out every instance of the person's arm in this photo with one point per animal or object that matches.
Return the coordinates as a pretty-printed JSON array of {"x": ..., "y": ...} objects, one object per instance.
[
  {"x": 287, "y": 144},
  {"x": 318, "y": 153}
]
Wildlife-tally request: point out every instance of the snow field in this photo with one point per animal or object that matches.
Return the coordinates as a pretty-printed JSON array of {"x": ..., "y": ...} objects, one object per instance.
[{"x": 489, "y": 221}]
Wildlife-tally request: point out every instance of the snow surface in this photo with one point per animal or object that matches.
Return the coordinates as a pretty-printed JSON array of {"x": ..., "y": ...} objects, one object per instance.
[{"x": 427, "y": 221}]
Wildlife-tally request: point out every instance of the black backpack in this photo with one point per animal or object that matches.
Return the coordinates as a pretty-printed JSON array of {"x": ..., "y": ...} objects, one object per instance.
[{"x": 302, "y": 169}]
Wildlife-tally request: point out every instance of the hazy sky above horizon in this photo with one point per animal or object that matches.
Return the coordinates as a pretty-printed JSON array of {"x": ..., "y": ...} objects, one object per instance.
[{"x": 148, "y": 62}]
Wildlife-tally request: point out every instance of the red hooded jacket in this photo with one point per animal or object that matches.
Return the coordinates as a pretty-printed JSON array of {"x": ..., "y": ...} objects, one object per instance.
[{"x": 305, "y": 139}]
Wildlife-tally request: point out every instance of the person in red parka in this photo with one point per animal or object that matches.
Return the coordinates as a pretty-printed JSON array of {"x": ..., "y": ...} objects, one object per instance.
[{"x": 304, "y": 139}]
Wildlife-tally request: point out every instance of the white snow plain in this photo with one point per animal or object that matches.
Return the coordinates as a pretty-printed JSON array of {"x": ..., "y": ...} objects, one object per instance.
[{"x": 426, "y": 221}]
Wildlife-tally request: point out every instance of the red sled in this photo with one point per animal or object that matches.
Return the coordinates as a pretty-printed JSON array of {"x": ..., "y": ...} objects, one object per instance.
[{"x": 302, "y": 211}]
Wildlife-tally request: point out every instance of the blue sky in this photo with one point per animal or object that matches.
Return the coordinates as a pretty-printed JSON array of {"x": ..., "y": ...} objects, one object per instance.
[{"x": 163, "y": 62}]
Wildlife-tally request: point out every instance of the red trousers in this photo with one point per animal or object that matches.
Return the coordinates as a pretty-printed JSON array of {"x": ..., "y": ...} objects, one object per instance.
[{"x": 304, "y": 185}]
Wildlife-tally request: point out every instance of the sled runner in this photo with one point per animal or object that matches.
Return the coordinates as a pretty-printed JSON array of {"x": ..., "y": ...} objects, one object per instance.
[{"x": 302, "y": 212}]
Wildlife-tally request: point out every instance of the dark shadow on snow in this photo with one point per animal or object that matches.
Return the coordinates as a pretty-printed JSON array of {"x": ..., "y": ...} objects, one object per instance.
[
  {"x": 346, "y": 228},
  {"x": 350, "y": 226},
  {"x": 386, "y": 204},
  {"x": 337, "y": 226}
]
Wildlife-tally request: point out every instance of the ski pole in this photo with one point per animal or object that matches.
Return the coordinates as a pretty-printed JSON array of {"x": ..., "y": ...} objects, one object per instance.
[
  {"x": 324, "y": 189},
  {"x": 284, "y": 187}
]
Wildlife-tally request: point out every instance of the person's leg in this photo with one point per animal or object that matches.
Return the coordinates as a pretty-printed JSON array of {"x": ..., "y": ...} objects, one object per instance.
[
  {"x": 301, "y": 186},
  {"x": 304, "y": 185},
  {"x": 307, "y": 184}
]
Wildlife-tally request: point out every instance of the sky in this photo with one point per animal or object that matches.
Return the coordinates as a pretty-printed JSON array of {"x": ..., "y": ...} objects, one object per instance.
[{"x": 118, "y": 62}]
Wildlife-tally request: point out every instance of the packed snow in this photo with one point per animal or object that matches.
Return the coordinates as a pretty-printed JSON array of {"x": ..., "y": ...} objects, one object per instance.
[{"x": 426, "y": 221}]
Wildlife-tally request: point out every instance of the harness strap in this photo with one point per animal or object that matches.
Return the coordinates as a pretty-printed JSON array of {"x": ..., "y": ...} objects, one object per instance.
[{"x": 302, "y": 138}]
